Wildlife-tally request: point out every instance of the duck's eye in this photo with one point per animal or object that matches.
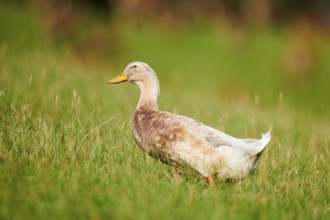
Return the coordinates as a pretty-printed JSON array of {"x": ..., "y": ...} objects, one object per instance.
[{"x": 134, "y": 66}]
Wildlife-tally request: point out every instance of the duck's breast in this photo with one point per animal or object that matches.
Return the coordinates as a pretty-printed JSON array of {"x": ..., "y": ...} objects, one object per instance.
[{"x": 155, "y": 130}]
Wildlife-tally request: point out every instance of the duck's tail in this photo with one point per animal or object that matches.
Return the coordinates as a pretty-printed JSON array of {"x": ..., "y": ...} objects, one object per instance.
[
  {"x": 263, "y": 143},
  {"x": 257, "y": 146}
]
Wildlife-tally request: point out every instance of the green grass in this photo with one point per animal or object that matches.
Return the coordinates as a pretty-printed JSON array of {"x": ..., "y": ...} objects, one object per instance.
[{"x": 66, "y": 144}]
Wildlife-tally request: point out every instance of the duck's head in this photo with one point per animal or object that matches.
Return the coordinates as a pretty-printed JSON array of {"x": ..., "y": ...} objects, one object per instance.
[
  {"x": 135, "y": 72},
  {"x": 145, "y": 78}
]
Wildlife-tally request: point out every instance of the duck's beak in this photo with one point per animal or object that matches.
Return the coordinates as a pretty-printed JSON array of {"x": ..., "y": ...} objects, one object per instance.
[{"x": 121, "y": 78}]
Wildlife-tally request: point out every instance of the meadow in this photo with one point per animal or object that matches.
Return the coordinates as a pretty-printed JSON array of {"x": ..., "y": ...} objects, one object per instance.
[{"x": 66, "y": 144}]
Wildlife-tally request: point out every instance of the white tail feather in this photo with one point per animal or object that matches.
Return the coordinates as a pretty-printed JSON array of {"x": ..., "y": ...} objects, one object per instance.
[
  {"x": 264, "y": 141},
  {"x": 256, "y": 146}
]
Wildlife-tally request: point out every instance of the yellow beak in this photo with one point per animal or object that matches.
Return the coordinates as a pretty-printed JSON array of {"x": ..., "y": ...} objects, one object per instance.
[{"x": 121, "y": 78}]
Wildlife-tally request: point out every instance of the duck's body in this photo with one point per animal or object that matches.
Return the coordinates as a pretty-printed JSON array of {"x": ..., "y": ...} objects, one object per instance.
[{"x": 182, "y": 140}]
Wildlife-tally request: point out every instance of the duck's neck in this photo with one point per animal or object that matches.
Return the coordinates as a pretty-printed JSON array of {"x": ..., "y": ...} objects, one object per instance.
[{"x": 149, "y": 94}]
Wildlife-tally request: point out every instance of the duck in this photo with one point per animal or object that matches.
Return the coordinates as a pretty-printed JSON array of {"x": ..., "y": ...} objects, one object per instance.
[{"x": 176, "y": 139}]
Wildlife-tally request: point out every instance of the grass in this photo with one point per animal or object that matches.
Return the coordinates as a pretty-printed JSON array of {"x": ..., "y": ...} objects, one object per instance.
[{"x": 67, "y": 150}]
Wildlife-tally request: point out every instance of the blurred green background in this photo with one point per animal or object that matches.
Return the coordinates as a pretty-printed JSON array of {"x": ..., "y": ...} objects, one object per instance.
[
  {"x": 66, "y": 144},
  {"x": 273, "y": 48}
]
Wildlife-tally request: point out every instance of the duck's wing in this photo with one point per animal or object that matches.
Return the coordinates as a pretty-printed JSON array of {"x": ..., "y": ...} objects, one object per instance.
[
  {"x": 215, "y": 137},
  {"x": 218, "y": 138}
]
